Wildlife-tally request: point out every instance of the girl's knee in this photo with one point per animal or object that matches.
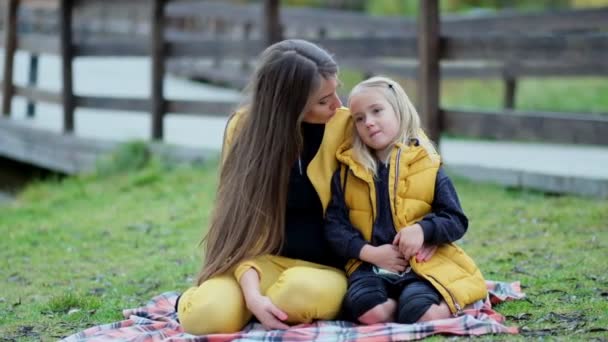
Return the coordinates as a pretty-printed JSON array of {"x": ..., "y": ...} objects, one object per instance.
[
  {"x": 436, "y": 312},
  {"x": 415, "y": 301},
  {"x": 216, "y": 306},
  {"x": 306, "y": 293},
  {"x": 381, "y": 313}
]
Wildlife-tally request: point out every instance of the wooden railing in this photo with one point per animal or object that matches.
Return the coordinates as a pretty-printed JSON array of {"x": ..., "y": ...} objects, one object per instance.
[{"x": 506, "y": 46}]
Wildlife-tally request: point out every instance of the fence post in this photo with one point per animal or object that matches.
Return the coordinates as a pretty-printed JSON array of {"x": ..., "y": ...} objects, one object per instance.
[
  {"x": 10, "y": 44},
  {"x": 428, "y": 58},
  {"x": 247, "y": 28},
  {"x": 219, "y": 30},
  {"x": 67, "y": 57},
  {"x": 509, "y": 94},
  {"x": 157, "y": 25},
  {"x": 272, "y": 22},
  {"x": 32, "y": 80}
]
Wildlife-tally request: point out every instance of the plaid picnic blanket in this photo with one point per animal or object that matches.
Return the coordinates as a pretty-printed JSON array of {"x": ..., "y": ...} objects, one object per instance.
[{"x": 157, "y": 321}]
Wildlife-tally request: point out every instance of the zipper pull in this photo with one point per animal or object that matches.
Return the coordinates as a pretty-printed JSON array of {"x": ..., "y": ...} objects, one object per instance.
[{"x": 300, "y": 165}]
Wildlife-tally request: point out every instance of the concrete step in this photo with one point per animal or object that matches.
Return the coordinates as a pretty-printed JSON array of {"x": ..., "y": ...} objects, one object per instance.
[{"x": 552, "y": 168}]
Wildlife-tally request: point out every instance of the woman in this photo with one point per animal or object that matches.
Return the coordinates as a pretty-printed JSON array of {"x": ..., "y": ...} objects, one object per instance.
[{"x": 265, "y": 252}]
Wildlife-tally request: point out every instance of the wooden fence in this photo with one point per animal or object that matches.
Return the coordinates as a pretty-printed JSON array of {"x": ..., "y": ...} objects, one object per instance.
[{"x": 575, "y": 43}]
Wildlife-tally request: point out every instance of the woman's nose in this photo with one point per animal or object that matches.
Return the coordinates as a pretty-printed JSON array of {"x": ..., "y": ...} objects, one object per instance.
[{"x": 338, "y": 102}]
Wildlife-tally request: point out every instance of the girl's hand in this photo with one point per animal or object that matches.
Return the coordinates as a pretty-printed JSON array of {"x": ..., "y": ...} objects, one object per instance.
[
  {"x": 425, "y": 253},
  {"x": 267, "y": 313},
  {"x": 410, "y": 240},
  {"x": 385, "y": 256}
]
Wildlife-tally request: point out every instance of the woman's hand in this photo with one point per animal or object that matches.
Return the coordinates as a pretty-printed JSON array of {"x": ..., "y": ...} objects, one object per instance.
[
  {"x": 261, "y": 306},
  {"x": 385, "y": 256},
  {"x": 266, "y": 312},
  {"x": 410, "y": 240}
]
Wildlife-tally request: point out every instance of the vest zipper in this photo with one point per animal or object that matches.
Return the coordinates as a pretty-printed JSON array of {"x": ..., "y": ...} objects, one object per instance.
[
  {"x": 456, "y": 305},
  {"x": 396, "y": 180}
]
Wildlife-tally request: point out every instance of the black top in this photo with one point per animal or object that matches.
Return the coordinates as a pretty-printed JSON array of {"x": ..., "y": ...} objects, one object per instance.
[
  {"x": 304, "y": 224},
  {"x": 445, "y": 223}
]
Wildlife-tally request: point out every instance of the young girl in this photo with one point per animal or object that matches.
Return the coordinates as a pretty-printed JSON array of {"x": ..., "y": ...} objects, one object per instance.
[{"x": 395, "y": 213}]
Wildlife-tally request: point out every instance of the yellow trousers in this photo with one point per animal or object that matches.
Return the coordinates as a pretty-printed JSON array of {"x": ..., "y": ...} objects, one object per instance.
[{"x": 305, "y": 291}]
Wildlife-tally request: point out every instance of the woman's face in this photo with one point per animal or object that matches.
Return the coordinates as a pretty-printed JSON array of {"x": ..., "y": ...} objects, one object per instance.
[{"x": 324, "y": 102}]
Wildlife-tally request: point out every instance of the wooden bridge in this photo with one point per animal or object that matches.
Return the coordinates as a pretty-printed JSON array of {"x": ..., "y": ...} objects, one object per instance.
[{"x": 217, "y": 42}]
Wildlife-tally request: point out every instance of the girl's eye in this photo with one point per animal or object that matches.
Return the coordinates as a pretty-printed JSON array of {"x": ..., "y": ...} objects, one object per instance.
[
  {"x": 358, "y": 119},
  {"x": 377, "y": 110},
  {"x": 323, "y": 103}
]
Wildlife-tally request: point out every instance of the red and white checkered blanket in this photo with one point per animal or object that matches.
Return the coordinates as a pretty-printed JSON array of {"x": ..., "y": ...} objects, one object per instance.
[{"x": 157, "y": 321}]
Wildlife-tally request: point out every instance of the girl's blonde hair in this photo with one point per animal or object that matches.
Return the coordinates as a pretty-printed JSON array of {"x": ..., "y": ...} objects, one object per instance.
[{"x": 409, "y": 120}]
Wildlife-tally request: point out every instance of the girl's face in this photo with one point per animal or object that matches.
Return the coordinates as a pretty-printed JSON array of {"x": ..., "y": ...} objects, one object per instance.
[
  {"x": 375, "y": 120},
  {"x": 323, "y": 103}
]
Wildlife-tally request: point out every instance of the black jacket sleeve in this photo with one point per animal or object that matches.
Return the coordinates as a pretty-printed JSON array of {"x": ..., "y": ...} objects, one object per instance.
[
  {"x": 344, "y": 239},
  {"x": 447, "y": 221}
]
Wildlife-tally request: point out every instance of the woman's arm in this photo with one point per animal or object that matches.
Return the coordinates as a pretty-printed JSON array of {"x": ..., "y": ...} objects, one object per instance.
[
  {"x": 348, "y": 242},
  {"x": 344, "y": 239},
  {"x": 261, "y": 306}
]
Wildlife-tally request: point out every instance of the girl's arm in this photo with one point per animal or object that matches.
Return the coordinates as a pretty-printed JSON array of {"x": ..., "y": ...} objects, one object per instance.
[{"x": 447, "y": 221}]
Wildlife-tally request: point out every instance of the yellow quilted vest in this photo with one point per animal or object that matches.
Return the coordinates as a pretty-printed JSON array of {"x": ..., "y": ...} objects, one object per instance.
[
  {"x": 412, "y": 176},
  {"x": 324, "y": 164}
]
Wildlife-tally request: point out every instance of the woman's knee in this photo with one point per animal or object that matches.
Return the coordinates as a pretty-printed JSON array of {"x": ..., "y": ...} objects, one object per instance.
[
  {"x": 216, "y": 306},
  {"x": 307, "y": 293}
]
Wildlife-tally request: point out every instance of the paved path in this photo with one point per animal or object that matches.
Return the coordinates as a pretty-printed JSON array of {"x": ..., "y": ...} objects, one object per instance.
[{"x": 548, "y": 167}]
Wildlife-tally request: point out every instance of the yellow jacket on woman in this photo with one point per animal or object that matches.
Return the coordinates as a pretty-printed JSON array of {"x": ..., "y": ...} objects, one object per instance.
[{"x": 411, "y": 188}]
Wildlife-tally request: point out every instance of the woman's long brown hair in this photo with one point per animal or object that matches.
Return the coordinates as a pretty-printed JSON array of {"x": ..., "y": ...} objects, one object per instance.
[{"x": 249, "y": 214}]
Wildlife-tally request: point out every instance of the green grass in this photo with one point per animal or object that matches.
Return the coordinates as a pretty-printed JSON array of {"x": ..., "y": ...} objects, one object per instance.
[
  {"x": 76, "y": 252},
  {"x": 572, "y": 95}
]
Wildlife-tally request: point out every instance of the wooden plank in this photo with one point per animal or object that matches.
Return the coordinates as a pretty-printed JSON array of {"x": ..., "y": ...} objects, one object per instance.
[
  {"x": 112, "y": 48},
  {"x": 566, "y": 49},
  {"x": 511, "y": 125},
  {"x": 428, "y": 80},
  {"x": 511, "y": 21},
  {"x": 157, "y": 99},
  {"x": 39, "y": 95},
  {"x": 509, "y": 93},
  {"x": 71, "y": 154},
  {"x": 211, "y": 48},
  {"x": 32, "y": 80},
  {"x": 39, "y": 43},
  {"x": 272, "y": 22},
  {"x": 202, "y": 108},
  {"x": 309, "y": 18},
  {"x": 54, "y": 151},
  {"x": 507, "y": 21},
  {"x": 10, "y": 41},
  {"x": 114, "y": 103},
  {"x": 403, "y": 47},
  {"x": 476, "y": 69},
  {"x": 65, "y": 24}
]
